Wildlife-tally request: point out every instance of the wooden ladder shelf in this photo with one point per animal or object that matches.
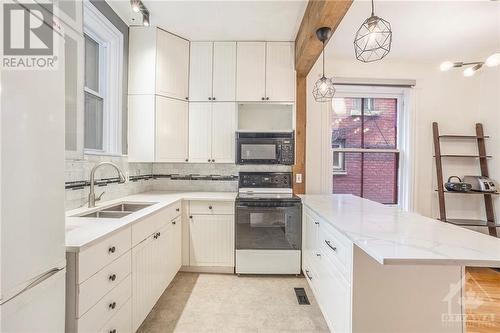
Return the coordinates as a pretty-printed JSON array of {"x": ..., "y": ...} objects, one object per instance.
[{"x": 482, "y": 157}]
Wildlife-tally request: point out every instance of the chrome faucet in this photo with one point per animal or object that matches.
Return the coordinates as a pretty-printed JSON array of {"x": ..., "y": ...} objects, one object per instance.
[{"x": 92, "y": 198}]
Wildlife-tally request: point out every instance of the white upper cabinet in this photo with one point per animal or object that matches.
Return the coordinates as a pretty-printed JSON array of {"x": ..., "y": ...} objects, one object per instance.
[
  {"x": 223, "y": 129},
  {"x": 224, "y": 72},
  {"x": 171, "y": 130},
  {"x": 265, "y": 72},
  {"x": 172, "y": 72},
  {"x": 200, "y": 132},
  {"x": 212, "y": 75},
  {"x": 200, "y": 73},
  {"x": 280, "y": 73},
  {"x": 251, "y": 71},
  {"x": 158, "y": 63},
  {"x": 211, "y": 132}
]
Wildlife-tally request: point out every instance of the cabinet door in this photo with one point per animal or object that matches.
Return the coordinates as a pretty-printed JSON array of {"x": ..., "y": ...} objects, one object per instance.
[
  {"x": 223, "y": 129},
  {"x": 174, "y": 249},
  {"x": 172, "y": 72},
  {"x": 141, "y": 128},
  {"x": 143, "y": 281},
  {"x": 162, "y": 257},
  {"x": 211, "y": 240},
  {"x": 251, "y": 71},
  {"x": 200, "y": 132},
  {"x": 224, "y": 71},
  {"x": 74, "y": 49},
  {"x": 200, "y": 71},
  {"x": 280, "y": 73},
  {"x": 171, "y": 130}
]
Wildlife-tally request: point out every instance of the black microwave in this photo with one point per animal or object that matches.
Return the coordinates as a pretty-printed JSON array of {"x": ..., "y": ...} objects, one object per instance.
[{"x": 265, "y": 148}]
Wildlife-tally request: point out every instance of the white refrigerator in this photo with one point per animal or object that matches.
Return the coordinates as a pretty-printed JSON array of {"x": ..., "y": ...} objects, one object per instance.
[{"x": 32, "y": 231}]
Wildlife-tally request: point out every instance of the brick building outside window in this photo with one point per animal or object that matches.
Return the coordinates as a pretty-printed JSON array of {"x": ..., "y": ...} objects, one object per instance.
[{"x": 364, "y": 143}]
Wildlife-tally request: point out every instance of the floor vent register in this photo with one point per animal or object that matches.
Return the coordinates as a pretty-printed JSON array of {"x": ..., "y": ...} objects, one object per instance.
[{"x": 301, "y": 296}]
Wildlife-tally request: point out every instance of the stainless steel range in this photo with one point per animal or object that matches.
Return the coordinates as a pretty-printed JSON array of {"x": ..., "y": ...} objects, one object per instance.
[{"x": 268, "y": 224}]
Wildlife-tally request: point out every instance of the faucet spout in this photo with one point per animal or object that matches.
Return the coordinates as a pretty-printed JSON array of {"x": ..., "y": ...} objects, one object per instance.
[{"x": 92, "y": 198}]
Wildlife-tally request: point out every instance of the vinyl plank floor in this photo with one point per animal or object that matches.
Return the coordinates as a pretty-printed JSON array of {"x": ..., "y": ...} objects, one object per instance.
[{"x": 229, "y": 303}]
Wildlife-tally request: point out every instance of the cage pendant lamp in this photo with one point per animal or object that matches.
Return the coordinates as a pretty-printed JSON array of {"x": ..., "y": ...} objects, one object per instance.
[
  {"x": 373, "y": 39},
  {"x": 323, "y": 90}
]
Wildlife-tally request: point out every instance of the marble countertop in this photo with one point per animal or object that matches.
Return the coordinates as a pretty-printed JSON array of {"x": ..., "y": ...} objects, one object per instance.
[
  {"x": 82, "y": 232},
  {"x": 394, "y": 237}
]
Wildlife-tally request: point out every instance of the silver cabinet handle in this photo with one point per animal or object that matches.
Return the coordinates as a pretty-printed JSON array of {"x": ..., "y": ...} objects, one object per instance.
[
  {"x": 318, "y": 254},
  {"x": 316, "y": 222},
  {"x": 308, "y": 276},
  {"x": 330, "y": 245}
]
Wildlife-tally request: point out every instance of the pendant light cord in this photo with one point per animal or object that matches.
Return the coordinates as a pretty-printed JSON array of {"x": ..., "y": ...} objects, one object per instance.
[
  {"x": 373, "y": 12},
  {"x": 323, "y": 58}
]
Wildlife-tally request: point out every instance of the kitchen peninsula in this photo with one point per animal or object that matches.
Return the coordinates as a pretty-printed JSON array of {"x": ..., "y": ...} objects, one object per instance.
[{"x": 374, "y": 268}]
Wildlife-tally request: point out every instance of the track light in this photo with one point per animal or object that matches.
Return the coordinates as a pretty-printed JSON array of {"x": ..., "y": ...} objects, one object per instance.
[
  {"x": 493, "y": 60},
  {"x": 470, "y": 71},
  {"x": 145, "y": 19},
  {"x": 136, "y": 5}
]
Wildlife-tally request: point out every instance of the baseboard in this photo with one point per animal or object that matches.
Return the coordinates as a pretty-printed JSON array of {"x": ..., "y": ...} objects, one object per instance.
[{"x": 208, "y": 269}]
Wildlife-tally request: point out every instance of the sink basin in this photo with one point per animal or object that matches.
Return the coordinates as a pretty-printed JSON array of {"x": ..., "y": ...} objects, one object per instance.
[
  {"x": 127, "y": 207},
  {"x": 117, "y": 211},
  {"x": 106, "y": 214}
]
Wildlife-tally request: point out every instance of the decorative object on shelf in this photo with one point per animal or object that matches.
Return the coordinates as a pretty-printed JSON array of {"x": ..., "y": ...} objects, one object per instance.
[
  {"x": 471, "y": 67},
  {"x": 373, "y": 39},
  {"x": 481, "y": 183},
  {"x": 459, "y": 186},
  {"x": 483, "y": 165},
  {"x": 324, "y": 89},
  {"x": 138, "y": 7}
]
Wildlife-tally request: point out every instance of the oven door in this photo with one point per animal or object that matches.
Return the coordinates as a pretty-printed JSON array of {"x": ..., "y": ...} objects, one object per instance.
[
  {"x": 259, "y": 151},
  {"x": 267, "y": 226}
]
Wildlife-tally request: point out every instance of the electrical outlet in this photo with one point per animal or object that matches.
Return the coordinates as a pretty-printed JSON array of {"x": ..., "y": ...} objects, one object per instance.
[{"x": 298, "y": 178}]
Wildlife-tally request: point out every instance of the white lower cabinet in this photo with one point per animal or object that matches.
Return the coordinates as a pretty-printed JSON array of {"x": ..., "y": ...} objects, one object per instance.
[{"x": 327, "y": 266}]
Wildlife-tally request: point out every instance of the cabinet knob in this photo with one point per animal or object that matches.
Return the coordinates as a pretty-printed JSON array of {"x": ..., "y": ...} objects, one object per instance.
[
  {"x": 316, "y": 222},
  {"x": 187, "y": 98},
  {"x": 112, "y": 277},
  {"x": 318, "y": 254},
  {"x": 112, "y": 331},
  {"x": 177, "y": 209},
  {"x": 267, "y": 98},
  {"x": 159, "y": 234},
  {"x": 190, "y": 216},
  {"x": 213, "y": 98},
  {"x": 173, "y": 222},
  {"x": 186, "y": 160},
  {"x": 112, "y": 249},
  {"x": 263, "y": 98},
  {"x": 112, "y": 305},
  {"x": 213, "y": 160},
  {"x": 208, "y": 160},
  {"x": 210, "y": 98},
  {"x": 209, "y": 207}
]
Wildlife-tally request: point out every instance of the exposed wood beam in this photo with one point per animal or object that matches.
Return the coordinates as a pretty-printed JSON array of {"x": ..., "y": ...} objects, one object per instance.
[{"x": 319, "y": 13}]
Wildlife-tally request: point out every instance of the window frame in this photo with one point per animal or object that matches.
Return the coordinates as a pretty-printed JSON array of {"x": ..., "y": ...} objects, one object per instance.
[
  {"x": 404, "y": 139},
  {"x": 340, "y": 168},
  {"x": 97, "y": 27}
]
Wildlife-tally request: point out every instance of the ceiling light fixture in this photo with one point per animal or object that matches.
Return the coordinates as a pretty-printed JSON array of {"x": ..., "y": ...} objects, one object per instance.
[
  {"x": 323, "y": 90},
  {"x": 145, "y": 19},
  {"x": 136, "y": 5},
  {"x": 493, "y": 60},
  {"x": 373, "y": 39},
  {"x": 470, "y": 71}
]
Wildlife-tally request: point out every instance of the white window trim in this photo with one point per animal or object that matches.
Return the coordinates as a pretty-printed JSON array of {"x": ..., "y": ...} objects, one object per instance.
[
  {"x": 405, "y": 137},
  {"x": 110, "y": 39}
]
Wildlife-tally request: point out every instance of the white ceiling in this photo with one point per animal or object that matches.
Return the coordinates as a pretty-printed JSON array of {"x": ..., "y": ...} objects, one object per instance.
[
  {"x": 427, "y": 31},
  {"x": 273, "y": 20}
]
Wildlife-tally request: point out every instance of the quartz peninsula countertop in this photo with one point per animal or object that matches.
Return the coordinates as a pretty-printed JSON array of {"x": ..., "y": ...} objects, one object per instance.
[
  {"x": 394, "y": 237},
  {"x": 82, "y": 232}
]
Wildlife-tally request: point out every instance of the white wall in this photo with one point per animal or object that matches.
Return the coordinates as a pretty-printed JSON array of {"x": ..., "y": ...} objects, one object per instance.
[{"x": 452, "y": 100}]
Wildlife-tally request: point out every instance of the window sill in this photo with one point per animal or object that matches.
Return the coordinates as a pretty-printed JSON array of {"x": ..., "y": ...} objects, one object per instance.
[
  {"x": 340, "y": 173},
  {"x": 97, "y": 153}
]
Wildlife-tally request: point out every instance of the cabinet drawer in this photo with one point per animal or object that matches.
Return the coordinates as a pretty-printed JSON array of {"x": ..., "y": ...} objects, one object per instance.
[
  {"x": 121, "y": 322},
  {"x": 336, "y": 248},
  {"x": 106, "y": 308},
  {"x": 99, "y": 284},
  {"x": 99, "y": 255},
  {"x": 211, "y": 207},
  {"x": 144, "y": 228}
]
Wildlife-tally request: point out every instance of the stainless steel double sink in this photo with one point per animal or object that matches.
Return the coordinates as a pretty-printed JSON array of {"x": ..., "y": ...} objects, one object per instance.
[{"x": 117, "y": 211}]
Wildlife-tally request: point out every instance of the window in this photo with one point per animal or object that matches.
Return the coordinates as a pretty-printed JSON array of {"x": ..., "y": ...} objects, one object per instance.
[
  {"x": 365, "y": 141},
  {"x": 103, "y": 96}
]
